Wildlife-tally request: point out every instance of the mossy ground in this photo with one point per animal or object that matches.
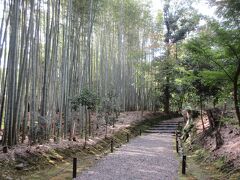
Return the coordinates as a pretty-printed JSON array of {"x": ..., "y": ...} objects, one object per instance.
[{"x": 201, "y": 168}]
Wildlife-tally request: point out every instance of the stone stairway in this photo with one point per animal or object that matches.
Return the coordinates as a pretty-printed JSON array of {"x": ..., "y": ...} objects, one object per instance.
[{"x": 168, "y": 127}]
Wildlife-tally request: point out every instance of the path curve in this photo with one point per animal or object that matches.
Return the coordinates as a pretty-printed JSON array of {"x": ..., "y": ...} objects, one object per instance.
[{"x": 147, "y": 157}]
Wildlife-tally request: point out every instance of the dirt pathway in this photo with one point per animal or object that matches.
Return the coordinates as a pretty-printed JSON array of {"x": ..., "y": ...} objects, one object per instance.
[{"x": 148, "y": 157}]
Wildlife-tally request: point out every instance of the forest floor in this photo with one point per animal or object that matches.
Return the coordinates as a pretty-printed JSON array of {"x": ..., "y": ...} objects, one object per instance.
[
  {"x": 222, "y": 163},
  {"x": 34, "y": 162}
]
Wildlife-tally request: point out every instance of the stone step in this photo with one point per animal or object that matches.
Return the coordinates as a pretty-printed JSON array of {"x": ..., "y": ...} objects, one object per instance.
[
  {"x": 160, "y": 131},
  {"x": 163, "y": 128},
  {"x": 163, "y": 125},
  {"x": 175, "y": 124}
]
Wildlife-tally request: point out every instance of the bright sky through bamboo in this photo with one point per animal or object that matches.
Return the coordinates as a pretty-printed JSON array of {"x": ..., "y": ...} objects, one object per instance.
[{"x": 202, "y": 6}]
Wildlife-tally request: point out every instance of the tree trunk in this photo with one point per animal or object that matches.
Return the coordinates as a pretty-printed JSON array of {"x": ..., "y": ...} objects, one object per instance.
[
  {"x": 219, "y": 139},
  {"x": 235, "y": 93},
  {"x": 2, "y": 103},
  {"x": 89, "y": 123},
  {"x": 210, "y": 119},
  {"x": 167, "y": 96},
  {"x": 86, "y": 126},
  {"x": 201, "y": 112}
]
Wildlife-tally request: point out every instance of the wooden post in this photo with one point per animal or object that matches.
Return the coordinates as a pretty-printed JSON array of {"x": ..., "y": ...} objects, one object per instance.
[
  {"x": 127, "y": 137},
  {"x": 140, "y": 132},
  {"x": 74, "y": 167},
  {"x": 111, "y": 145},
  {"x": 177, "y": 142},
  {"x": 177, "y": 146},
  {"x": 184, "y": 164}
]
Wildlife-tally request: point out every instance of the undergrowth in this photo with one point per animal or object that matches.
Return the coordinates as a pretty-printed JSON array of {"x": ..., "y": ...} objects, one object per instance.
[{"x": 218, "y": 168}]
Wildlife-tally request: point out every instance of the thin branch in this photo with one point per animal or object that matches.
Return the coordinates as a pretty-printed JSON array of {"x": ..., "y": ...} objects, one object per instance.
[{"x": 228, "y": 75}]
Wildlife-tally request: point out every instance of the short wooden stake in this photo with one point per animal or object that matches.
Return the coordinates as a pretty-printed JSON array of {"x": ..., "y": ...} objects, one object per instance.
[
  {"x": 140, "y": 132},
  {"x": 184, "y": 164},
  {"x": 111, "y": 145},
  {"x": 74, "y": 167},
  {"x": 127, "y": 137},
  {"x": 177, "y": 146},
  {"x": 177, "y": 142}
]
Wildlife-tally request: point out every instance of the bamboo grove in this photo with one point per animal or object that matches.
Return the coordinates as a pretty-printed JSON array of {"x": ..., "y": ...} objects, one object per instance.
[{"x": 53, "y": 50}]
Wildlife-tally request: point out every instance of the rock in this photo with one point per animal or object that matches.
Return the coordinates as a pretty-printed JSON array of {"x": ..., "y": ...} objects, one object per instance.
[
  {"x": 5, "y": 149},
  {"x": 28, "y": 151},
  {"x": 9, "y": 178},
  {"x": 20, "y": 166}
]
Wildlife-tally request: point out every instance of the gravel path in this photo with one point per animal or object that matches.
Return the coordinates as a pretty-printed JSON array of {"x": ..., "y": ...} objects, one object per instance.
[{"x": 148, "y": 157}]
